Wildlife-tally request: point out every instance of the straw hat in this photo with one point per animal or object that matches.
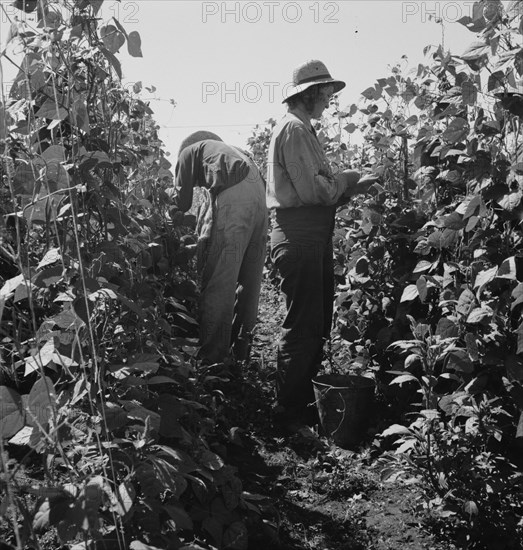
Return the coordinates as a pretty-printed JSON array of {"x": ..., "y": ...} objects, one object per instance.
[
  {"x": 195, "y": 137},
  {"x": 309, "y": 74}
]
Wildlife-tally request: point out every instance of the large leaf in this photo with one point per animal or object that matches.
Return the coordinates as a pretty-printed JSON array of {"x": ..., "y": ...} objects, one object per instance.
[
  {"x": 459, "y": 360},
  {"x": 11, "y": 412},
  {"x": 447, "y": 328},
  {"x": 456, "y": 131},
  {"x": 466, "y": 302},
  {"x": 134, "y": 44},
  {"x": 484, "y": 277},
  {"x": 510, "y": 201},
  {"x": 125, "y": 498},
  {"x": 475, "y": 51},
  {"x": 445, "y": 238},
  {"x": 25, "y": 5},
  {"x": 452, "y": 221},
  {"x": 410, "y": 293},
  {"x": 507, "y": 270},
  {"x": 116, "y": 65},
  {"x": 79, "y": 115},
  {"x": 9, "y": 287},
  {"x": 41, "y": 358},
  {"x": 41, "y": 402},
  {"x": 469, "y": 93},
  {"x": 112, "y": 38},
  {"x": 181, "y": 518},
  {"x": 396, "y": 429},
  {"x": 480, "y": 315},
  {"x": 53, "y": 110},
  {"x": 403, "y": 378},
  {"x": 211, "y": 460},
  {"x": 519, "y": 332}
]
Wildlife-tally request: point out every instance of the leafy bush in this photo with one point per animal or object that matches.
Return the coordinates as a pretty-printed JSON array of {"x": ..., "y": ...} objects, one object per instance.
[{"x": 97, "y": 300}]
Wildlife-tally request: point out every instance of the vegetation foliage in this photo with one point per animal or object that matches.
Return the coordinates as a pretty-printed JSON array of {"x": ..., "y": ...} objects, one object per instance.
[{"x": 97, "y": 292}]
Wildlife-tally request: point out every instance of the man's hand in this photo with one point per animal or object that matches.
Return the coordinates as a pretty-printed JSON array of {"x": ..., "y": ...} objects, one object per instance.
[
  {"x": 365, "y": 183},
  {"x": 356, "y": 184}
]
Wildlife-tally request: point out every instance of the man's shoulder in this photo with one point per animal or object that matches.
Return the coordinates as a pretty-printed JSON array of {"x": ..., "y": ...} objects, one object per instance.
[{"x": 290, "y": 124}]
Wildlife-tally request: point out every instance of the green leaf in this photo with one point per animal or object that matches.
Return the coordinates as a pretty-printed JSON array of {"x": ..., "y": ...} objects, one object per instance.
[
  {"x": 484, "y": 277},
  {"x": 472, "y": 346},
  {"x": 469, "y": 93},
  {"x": 510, "y": 201},
  {"x": 447, "y": 328},
  {"x": 475, "y": 51},
  {"x": 134, "y": 44},
  {"x": 421, "y": 285},
  {"x": 115, "y": 416},
  {"x": 112, "y": 38},
  {"x": 52, "y": 110},
  {"x": 410, "y": 293},
  {"x": 25, "y": 180},
  {"x": 41, "y": 358},
  {"x": 519, "y": 332},
  {"x": 125, "y": 498},
  {"x": 54, "y": 152},
  {"x": 11, "y": 412},
  {"x": 403, "y": 378},
  {"x": 471, "y": 224},
  {"x": 80, "y": 116},
  {"x": 181, "y": 518},
  {"x": 423, "y": 265},
  {"x": 445, "y": 238},
  {"x": 41, "y": 402},
  {"x": 466, "y": 302},
  {"x": 452, "y": 221},
  {"x": 481, "y": 315},
  {"x": 456, "y": 131},
  {"x": 396, "y": 429},
  {"x": 149, "y": 482},
  {"x": 517, "y": 296},
  {"x": 459, "y": 360},
  {"x": 51, "y": 256},
  {"x": 470, "y": 508},
  {"x": 41, "y": 518},
  {"x": 113, "y": 61},
  {"x": 9, "y": 287},
  {"x": 25, "y": 5},
  {"x": 211, "y": 460}
]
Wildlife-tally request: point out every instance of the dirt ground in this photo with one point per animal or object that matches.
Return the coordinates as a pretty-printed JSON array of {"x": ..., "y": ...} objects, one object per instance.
[
  {"x": 321, "y": 497},
  {"x": 312, "y": 494}
]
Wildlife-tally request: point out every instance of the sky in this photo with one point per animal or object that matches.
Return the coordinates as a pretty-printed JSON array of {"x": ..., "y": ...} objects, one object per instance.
[{"x": 226, "y": 64}]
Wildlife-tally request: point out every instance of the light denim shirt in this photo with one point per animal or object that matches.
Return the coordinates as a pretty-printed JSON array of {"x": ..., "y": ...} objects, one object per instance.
[{"x": 298, "y": 172}]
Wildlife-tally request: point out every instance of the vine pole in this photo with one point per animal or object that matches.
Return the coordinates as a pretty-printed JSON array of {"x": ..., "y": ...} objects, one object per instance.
[{"x": 405, "y": 154}]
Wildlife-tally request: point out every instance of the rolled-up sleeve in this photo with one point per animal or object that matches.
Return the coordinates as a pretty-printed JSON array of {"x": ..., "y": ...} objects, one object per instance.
[{"x": 304, "y": 165}]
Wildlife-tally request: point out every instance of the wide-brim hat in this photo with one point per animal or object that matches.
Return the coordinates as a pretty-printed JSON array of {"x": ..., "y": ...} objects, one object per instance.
[
  {"x": 195, "y": 137},
  {"x": 310, "y": 74}
]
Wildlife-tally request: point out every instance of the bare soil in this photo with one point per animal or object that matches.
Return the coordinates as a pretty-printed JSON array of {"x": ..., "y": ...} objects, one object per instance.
[{"x": 320, "y": 497}]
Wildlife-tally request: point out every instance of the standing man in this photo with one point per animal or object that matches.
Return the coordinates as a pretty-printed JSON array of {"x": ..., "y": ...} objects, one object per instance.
[
  {"x": 303, "y": 192},
  {"x": 232, "y": 234}
]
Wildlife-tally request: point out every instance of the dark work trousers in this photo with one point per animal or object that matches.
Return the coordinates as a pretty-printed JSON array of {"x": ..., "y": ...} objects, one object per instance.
[{"x": 301, "y": 249}]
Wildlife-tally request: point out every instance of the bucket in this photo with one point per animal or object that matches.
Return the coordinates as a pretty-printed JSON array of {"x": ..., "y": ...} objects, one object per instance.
[{"x": 345, "y": 403}]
